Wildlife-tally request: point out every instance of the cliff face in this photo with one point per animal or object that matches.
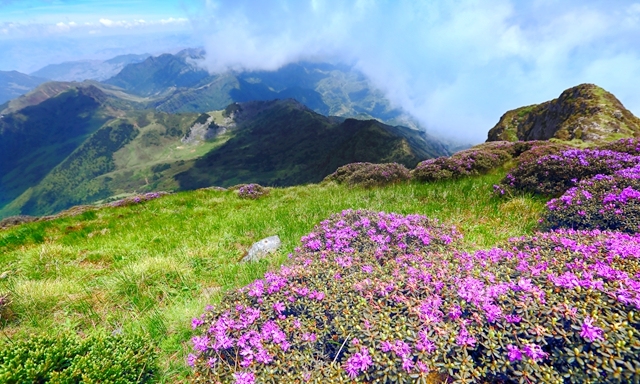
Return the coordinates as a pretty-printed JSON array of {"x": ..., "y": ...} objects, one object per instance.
[{"x": 585, "y": 112}]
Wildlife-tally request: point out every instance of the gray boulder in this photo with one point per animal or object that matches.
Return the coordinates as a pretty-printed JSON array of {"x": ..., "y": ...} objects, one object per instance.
[{"x": 262, "y": 248}]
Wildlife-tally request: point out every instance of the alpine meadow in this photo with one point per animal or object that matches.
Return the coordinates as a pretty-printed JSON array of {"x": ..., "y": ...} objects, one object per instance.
[{"x": 319, "y": 192}]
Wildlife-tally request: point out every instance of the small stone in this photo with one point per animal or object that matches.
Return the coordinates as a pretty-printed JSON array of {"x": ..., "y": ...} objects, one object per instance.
[{"x": 262, "y": 248}]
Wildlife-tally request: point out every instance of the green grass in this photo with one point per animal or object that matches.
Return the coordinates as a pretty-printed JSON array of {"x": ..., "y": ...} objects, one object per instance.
[{"x": 150, "y": 268}]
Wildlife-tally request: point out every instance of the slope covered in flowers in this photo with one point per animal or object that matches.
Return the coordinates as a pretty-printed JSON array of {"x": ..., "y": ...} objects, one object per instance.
[{"x": 375, "y": 296}]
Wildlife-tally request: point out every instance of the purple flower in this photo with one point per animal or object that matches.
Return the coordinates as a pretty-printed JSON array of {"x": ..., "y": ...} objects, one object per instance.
[
  {"x": 191, "y": 359},
  {"x": 200, "y": 344},
  {"x": 407, "y": 364},
  {"x": 590, "y": 331},
  {"x": 309, "y": 337},
  {"x": 358, "y": 362},
  {"x": 196, "y": 322},
  {"x": 534, "y": 352},
  {"x": 514, "y": 353},
  {"x": 278, "y": 307},
  {"x": 386, "y": 346},
  {"x": 244, "y": 378}
]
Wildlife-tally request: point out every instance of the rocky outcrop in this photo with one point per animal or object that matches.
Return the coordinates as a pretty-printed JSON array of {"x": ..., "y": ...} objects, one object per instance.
[
  {"x": 585, "y": 112},
  {"x": 203, "y": 131}
]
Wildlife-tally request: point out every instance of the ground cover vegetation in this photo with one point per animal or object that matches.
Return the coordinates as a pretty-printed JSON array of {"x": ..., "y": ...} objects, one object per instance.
[
  {"x": 438, "y": 281},
  {"x": 144, "y": 268}
]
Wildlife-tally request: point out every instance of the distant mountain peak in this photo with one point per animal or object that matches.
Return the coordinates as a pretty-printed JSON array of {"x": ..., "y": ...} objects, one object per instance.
[{"x": 584, "y": 112}]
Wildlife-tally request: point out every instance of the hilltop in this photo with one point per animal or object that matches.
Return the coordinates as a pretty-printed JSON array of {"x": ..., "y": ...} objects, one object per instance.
[{"x": 585, "y": 112}]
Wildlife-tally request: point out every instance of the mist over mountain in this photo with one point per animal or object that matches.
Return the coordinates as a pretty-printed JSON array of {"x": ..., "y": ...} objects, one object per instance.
[
  {"x": 88, "y": 69},
  {"x": 178, "y": 83}
]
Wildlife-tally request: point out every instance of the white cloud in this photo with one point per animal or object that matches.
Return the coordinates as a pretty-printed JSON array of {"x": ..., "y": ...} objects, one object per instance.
[{"x": 455, "y": 65}]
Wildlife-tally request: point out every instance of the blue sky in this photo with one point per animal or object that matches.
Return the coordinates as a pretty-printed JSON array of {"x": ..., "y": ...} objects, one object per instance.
[{"x": 457, "y": 65}]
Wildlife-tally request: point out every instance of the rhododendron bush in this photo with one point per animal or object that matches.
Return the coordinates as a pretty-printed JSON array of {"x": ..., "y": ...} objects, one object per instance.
[
  {"x": 376, "y": 297},
  {"x": 554, "y": 174},
  {"x": 601, "y": 202},
  {"x": 370, "y": 175},
  {"x": 464, "y": 163}
]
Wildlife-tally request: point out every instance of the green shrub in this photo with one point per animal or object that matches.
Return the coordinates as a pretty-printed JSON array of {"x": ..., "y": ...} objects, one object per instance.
[
  {"x": 370, "y": 175},
  {"x": 68, "y": 359}
]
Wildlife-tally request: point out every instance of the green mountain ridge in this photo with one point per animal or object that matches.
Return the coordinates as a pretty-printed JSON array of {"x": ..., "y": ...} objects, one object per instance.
[
  {"x": 286, "y": 143},
  {"x": 87, "y": 144},
  {"x": 585, "y": 112}
]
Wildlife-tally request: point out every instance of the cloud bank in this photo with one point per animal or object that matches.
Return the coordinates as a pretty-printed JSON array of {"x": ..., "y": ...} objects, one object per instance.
[{"x": 456, "y": 65}]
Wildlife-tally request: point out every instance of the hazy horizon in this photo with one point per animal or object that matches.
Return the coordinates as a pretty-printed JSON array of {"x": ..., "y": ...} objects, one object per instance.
[{"x": 456, "y": 66}]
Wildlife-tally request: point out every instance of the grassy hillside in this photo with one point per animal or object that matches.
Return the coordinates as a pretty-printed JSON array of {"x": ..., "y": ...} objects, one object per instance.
[
  {"x": 149, "y": 268},
  {"x": 37, "y": 138},
  {"x": 284, "y": 143}
]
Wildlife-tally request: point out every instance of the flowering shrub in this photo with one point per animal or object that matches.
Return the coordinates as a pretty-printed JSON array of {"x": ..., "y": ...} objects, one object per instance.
[
  {"x": 137, "y": 199},
  {"x": 252, "y": 191},
  {"x": 554, "y": 174},
  {"x": 381, "y": 297},
  {"x": 465, "y": 163},
  {"x": 316, "y": 318},
  {"x": 370, "y": 175},
  {"x": 601, "y": 202},
  {"x": 630, "y": 146},
  {"x": 539, "y": 149}
]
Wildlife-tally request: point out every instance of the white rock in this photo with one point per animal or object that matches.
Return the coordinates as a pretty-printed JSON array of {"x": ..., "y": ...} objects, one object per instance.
[{"x": 262, "y": 248}]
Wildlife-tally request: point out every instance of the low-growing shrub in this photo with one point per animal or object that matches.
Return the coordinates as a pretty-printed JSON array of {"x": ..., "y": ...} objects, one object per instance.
[
  {"x": 252, "y": 191},
  {"x": 630, "y": 146},
  {"x": 552, "y": 175},
  {"x": 600, "y": 202},
  {"x": 388, "y": 298},
  {"x": 305, "y": 321},
  {"x": 137, "y": 199},
  {"x": 370, "y": 175},
  {"x": 537, "y": 149},
  {"x": 465, "y": 163},
  {"x": 16, "y": 220},
  {"x": 68, "y": 359}
]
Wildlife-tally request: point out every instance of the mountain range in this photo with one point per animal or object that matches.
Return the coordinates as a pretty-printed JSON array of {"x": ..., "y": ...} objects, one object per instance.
[
  {"x": 14, "y": 84},
  {"x": 165, "y": 124},
  {"x": 88, "y": 69}
]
